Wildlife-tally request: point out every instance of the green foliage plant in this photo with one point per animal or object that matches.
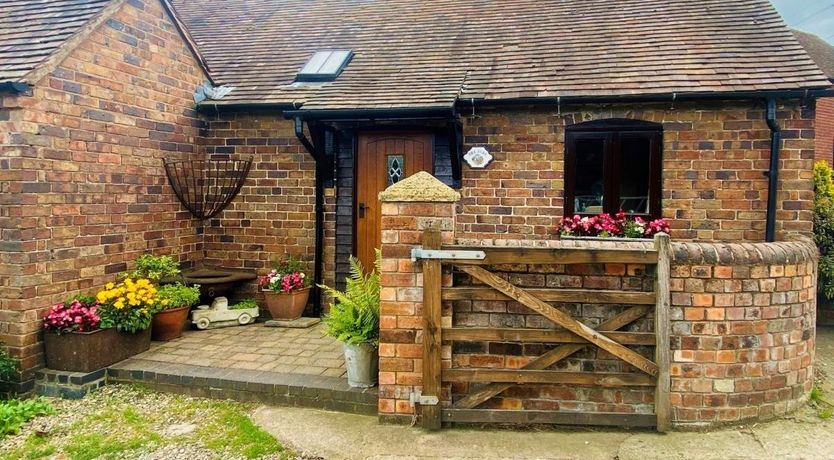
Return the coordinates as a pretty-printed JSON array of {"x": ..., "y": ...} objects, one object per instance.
[
  {"x": 154, "y": 267},
  {"x": 178, "y": 295},
  {"x": 15, "y": 412},
  {"x": 8, "y": 369},
  {"x": 354, "y": 316},
  {"x": 824, "y": 226},
  {"x": 244, "y": 304}
]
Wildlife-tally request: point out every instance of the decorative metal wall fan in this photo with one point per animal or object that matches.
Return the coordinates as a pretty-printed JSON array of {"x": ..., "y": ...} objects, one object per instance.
[{"x": 206, "y": 187}]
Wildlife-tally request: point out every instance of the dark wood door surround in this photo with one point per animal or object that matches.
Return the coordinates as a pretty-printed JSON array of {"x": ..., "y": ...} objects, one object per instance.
[{"x": 383, "y": 158}]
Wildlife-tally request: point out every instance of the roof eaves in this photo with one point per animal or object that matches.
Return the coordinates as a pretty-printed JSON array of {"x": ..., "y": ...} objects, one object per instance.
[
  {"x": 189, "y": 40},
  {"x": 49, "y": 64}
]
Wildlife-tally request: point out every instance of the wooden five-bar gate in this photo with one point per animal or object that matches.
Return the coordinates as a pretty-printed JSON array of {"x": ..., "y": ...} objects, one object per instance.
[{"x": 573, "y": 335}]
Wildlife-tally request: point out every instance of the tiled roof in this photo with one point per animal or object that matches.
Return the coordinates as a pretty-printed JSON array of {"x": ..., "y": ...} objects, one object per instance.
[
  {"x": 820, "y": 51},
  {"x": 413, "y": 53},
  {"x": 31, "y": 30}
]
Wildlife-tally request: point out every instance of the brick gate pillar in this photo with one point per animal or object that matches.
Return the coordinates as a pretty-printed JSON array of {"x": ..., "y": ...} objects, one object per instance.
[{"x": 417, "y": 203}]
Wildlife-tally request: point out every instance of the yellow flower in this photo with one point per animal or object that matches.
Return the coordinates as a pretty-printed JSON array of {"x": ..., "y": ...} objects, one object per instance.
[
  {"x": 109, "y": 286},
  {"x": 165, "y": 302},
  {"x": 119, "y": 304}
]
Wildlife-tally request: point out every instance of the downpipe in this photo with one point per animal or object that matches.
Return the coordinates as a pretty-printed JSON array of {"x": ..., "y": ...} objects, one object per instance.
[{"x": 773, "y": 172}]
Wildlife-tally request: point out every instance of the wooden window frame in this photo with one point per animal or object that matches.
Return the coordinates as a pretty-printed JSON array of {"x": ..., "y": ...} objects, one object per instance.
[{"x": 611, "y": 132}]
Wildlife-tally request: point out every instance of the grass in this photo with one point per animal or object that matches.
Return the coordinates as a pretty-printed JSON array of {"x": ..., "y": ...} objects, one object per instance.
[{"x": 132, "y": 420}]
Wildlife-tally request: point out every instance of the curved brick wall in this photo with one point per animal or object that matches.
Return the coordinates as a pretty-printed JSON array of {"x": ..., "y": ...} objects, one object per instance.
[{"x": 743, "y": 318}]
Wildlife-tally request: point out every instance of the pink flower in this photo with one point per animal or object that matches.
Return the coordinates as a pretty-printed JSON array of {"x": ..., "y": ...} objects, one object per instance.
[
  {"x": 606, "y": 225},
  {"x": 72, "y": 316}
]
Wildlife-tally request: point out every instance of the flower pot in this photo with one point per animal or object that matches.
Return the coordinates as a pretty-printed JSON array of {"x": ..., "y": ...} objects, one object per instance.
[
  {"x": 91, "y": 351},
  {"x": 168, "y": 324},
  {"x": 287, "y": 305},
  {"x": 362, "y": 362}
]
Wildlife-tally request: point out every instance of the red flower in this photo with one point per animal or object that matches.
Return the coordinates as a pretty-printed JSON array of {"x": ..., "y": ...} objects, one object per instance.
[{"x": 606, "y": 225}]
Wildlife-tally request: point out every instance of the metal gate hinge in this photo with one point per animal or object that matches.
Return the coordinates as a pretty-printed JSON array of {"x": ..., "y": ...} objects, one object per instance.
[
  {"x": 420, "y": 253},
  {"x": 416, "y": 397}
]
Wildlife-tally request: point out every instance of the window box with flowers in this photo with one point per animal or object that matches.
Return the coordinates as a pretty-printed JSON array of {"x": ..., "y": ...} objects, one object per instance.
[
  {"x": 85, "y": 334},
  {"x": 286, "y": 289},
  {"x": 606, "y": 226}
]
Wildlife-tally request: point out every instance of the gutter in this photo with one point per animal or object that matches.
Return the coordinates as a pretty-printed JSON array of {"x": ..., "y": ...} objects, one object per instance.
[
  {"x": 13, "y": 87},
  {"x": 371, "y": 114},
  {"x": 318, "y": 258},
  {"x": 661, "y": 97},
  {"x": 773, "y": 172}
]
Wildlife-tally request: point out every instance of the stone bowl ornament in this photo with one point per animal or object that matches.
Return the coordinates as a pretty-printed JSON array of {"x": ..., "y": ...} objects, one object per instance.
[{"x": 220, "y": 315}]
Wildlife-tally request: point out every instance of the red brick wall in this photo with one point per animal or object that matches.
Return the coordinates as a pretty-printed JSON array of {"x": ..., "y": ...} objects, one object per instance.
[
  {"x": 274, "y": 214},
  {"x": 714, "y": 159},
  {"x": 84, "y": 188},
  {"x": 825, "y": 130},
  {"x": 743, "y": 322}
]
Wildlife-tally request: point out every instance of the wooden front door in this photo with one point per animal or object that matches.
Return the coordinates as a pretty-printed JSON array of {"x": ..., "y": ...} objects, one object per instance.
[{"x": 384, "y": 159}]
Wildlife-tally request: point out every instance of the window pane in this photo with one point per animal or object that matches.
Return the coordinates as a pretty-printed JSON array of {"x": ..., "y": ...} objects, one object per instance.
[
  {"x": 396, "y": 169},
  {"x": 315, "y": 63},
  {"x": 334, "y": 62},
  {"x": 635, "y": 168},
  {"x": 589, "y": 181}
]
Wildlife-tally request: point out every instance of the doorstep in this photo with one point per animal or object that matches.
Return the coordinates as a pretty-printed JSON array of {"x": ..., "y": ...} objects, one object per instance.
[{"x": 265, "y": 387}]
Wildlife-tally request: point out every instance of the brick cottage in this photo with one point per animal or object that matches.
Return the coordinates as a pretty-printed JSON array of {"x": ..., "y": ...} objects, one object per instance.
[{"x": 706, "y": 120}]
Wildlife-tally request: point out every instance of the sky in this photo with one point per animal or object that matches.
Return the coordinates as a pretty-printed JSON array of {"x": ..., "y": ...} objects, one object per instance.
[{"x": 815, "y": 16}]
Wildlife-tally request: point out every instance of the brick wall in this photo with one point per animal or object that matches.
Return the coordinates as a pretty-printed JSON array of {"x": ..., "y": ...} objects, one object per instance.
[
  {"x": 274, "y": 214},
  {"x": 825, "y": 130},
  {"x": 742, "y": 325},
  {"x": 84, "y": 188},
  {"x": 715, "y": 155},
  {"x": 743, "y": 320}
]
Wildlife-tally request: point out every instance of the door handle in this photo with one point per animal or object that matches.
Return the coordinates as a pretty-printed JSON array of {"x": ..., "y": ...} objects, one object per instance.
[{"x": 362, "y": 208}]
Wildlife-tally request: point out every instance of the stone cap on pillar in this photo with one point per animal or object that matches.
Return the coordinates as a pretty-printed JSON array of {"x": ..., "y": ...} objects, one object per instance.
[{"x": 421, "y": 187}]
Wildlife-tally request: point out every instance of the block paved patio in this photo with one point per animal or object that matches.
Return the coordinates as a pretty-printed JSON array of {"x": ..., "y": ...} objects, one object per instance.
[
  {"x": 292, "y": 351},
  {"x": 298, "y": 367}
]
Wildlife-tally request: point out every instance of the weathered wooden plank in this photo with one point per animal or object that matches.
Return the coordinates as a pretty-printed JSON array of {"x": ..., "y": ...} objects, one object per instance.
[
  {"x": 564, "y": 320},
  {"x": 662, "y": 324},
  {"x": 521, "y": 376},
  {"x": 556, "y": 295},
  {"x": 558, "y": 256},
  {"x": 546, "y": 360},
  {"x": 432, "y": 313},
  {"x": 547, "y": 417},
  {"x": 467, "y": 334}
]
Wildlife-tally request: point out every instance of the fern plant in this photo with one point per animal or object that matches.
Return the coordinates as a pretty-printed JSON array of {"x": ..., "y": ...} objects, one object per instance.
[{"x": 354, "y": 316}]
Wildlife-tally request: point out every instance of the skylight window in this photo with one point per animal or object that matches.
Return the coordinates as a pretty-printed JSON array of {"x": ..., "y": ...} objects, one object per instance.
[{"x": 325, "y": 65}]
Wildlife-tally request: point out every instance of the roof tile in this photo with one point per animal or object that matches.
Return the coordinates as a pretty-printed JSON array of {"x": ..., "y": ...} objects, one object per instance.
[{"x": 426, "y": 53}]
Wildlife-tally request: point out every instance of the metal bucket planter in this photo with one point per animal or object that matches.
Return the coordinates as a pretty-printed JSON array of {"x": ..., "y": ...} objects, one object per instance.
[
  {"x": 91, "y": 351},
  {"x": 168, "y": 324},
  {"x": 287, "y": 306},
  {"x": 362, "y": 362}
]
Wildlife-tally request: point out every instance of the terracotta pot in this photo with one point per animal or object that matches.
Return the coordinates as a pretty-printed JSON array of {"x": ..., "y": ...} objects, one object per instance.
[
  {"x": 287, "y": 306},
  {"x": 168, "y": 324},
  {"x": 91, "y": 351}
]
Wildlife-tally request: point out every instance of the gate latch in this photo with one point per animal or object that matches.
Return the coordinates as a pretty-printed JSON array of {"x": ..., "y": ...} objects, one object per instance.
[
  {"x": 416, "y": 397},
  {"x": 420, "y": 253}
]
